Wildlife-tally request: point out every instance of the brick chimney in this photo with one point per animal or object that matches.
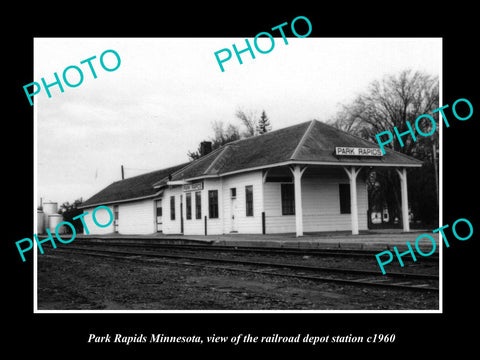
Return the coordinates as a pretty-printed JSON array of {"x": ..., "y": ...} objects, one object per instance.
[{"x": 205, "y": 147}]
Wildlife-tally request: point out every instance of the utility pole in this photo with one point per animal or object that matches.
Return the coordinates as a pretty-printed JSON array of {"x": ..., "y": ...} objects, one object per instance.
[
  {"x": 434, "y": 156},
  {"x": 123, "y": 177}
]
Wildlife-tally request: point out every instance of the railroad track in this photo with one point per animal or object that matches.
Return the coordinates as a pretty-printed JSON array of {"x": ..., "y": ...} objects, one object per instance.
[
  {"x": 365, "y": 278},
  {"x": 355, "y": 253}
]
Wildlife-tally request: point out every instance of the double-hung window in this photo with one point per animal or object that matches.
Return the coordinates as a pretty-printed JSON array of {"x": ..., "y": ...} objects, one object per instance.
[
  {"x": 288, "y": 199},
  {"x": 249, "y": 200},
  {"x": 213, "y": 204}
]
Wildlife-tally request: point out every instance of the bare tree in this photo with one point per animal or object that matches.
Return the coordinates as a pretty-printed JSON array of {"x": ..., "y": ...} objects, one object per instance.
[
  {"x": 222, "y": 134},
  {"x": 249, "y": 119},
  {"x": 391, "y": 102},
  {"x": 388, "y": 103}
]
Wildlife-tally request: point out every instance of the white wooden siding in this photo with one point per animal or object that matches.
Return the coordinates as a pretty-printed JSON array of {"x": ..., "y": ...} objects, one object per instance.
[
  {"x": 214, "y": 226},
  {"x": 320, "y": 199},
  {"x": 136, "y": 217},
  {"x": 195, "y": 226},
  {"x": 244, "y": 224},
  {"x": 275, "y": 222},
  {"x": 190, "y": 227},
  {"x": 172, "y": 226},
  {"x": 223, "y": 224},
  {"x": 321, "y": 204},
  {"x": 102, "y": 216}
]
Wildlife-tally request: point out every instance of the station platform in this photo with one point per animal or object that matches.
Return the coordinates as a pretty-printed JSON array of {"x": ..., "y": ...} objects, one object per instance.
[{"x": 384, "y": 239}]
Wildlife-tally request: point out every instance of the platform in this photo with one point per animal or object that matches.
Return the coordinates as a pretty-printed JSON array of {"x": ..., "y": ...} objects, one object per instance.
[{"x": 366, "y": 240}]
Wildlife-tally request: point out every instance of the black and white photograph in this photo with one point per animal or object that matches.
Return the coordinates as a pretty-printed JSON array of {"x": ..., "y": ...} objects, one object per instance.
[
  {"x": 224, "y": 183},
  {"x": 252, "y": 188}
]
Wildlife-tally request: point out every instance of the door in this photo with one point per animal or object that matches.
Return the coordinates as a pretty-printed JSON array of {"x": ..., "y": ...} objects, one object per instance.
[{"x": 158, "y": 214}]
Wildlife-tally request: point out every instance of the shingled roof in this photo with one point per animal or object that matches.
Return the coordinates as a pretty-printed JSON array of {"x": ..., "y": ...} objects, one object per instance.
[
  {"x": 309, "y": 142},
  {"x": 136, "y": 187}
]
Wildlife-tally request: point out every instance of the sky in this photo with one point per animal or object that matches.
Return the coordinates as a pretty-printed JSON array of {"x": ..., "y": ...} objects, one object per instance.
[{"x": 163, "y": 98}]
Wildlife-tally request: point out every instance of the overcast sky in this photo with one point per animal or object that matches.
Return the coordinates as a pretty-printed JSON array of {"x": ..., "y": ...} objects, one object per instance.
[{"x": 161, "y": 101}]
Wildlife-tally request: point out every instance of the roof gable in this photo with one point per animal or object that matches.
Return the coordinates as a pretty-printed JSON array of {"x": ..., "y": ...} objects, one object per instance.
[
  {"x": 269, "y": 148},
  {"x": 311, "y": 141},
  {"x": 321, "y": 140}
]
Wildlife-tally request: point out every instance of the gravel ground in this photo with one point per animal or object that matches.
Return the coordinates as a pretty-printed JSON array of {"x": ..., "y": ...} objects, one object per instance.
[{"x": 79, "y": 282}]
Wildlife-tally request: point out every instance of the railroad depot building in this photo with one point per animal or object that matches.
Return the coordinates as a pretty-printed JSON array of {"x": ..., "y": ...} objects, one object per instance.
[{"x": 304, "y": 178}]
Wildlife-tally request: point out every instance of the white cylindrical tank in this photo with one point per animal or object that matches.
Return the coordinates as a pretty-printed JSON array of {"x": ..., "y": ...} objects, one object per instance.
[
  {"x": 50, "y": 208},
  {"x": 53, "y": 221},
  {"x": 40, "y": 222}
]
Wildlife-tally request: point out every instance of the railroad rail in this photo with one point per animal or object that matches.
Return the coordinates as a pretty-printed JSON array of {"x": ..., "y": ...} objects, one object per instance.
[
  {"x": 402, "y": 281},
  {"x": 248, "y": 249}
]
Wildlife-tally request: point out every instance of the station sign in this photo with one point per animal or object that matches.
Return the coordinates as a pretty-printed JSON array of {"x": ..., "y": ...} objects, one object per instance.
[
  {"x": 193, "y": 187},
  {"x": 357, "y": 151}
]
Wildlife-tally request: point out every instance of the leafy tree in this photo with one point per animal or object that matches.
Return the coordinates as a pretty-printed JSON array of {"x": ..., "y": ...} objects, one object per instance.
[{"x": 69, "y": 211}]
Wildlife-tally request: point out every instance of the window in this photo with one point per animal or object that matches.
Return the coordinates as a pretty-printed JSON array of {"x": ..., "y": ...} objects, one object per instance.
[
  {"x": 249, "y": 200},
  {"x": 344, "y": 190},
  {"x": 159, "y": 208},
  {"x": 188, "y": 199},
  {"x": 172, "y": 207},
  {"x": 198, "y": 205},
  {"x": 233, "y": 193},
  {"x": 115, "y": 218},
  {"x": 288, "y": 199},
  {"x": 213, "y": 204}
]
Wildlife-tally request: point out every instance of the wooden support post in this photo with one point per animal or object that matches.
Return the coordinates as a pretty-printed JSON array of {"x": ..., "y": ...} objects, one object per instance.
[
  {"x": 297, "y": 172},
  {"x": 403, "y": 186},
  {"x": 264, "y": 176},
  {"x": 352, "y": 173}
]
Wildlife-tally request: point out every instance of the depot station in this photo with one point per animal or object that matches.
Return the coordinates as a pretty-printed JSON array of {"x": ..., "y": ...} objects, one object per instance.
[{"x": 303, "y": 178}]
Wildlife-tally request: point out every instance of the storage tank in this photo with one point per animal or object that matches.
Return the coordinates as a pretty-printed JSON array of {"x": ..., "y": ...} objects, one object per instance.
[
  {"x": 53, "y": 221},
  {"x": 50, "y": 207},
  {"x": 40, "y": 222}
]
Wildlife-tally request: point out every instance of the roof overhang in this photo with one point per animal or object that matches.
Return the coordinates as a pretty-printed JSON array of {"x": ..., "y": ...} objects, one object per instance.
[
  {"x": 121, "y": 201},
  {"x": 295, "y": 162}
]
